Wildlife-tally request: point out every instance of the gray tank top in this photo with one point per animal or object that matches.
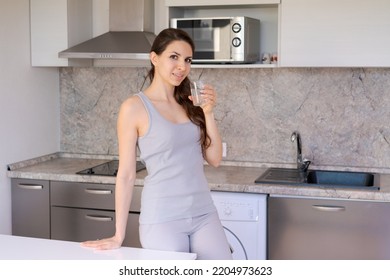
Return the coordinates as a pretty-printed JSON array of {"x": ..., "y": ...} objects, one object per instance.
[{"x": 176, "y": 186}]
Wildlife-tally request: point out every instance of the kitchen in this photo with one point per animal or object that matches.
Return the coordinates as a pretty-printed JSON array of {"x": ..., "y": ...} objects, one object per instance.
[{"x": 341, "y": 112}]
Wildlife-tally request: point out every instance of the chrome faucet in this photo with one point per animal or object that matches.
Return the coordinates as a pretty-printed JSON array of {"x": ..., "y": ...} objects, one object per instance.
[{"x": 302, "y": 164}]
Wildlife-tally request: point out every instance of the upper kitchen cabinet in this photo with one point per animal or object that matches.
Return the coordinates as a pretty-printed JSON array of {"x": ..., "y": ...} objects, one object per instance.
[
  {"x": 334, "y": 33},
  {"x": 57, "y": 25},
  {"x": 267, "y": 11}
]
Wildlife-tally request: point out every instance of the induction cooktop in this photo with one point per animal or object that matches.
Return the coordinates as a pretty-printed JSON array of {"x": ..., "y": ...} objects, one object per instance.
[{"x": 109, "y": 168}]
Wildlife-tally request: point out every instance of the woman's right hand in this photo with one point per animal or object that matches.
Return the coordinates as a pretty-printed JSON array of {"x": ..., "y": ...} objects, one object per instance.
[{"x": 103, "y": 244}]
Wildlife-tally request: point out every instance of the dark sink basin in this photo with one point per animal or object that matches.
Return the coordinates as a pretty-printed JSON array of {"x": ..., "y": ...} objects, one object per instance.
[
  {"x": 341, "y": 178},
  {"x": 319, "y": 178}
]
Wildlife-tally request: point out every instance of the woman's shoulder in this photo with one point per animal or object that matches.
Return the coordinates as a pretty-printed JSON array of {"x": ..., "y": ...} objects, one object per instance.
[
  {"x": 133, "y": 102},
  {"x": 132, "y": 107}
]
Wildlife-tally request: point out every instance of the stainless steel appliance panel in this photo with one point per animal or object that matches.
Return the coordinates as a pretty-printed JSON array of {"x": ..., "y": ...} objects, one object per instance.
[{"x": 300, "y": 228}]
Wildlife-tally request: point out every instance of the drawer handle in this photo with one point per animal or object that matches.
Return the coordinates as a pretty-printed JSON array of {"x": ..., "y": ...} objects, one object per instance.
[
  {"x": 329, "y": 208},
  {"x": 98, "y": 191},
  {"x": 30, "y": 187},
  {"x": 99, "y": 218}
]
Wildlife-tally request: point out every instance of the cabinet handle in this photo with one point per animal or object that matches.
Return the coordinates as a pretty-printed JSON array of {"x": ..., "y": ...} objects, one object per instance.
[
  {"x": 30, "y": 187},
  {"x": 329, "y": 208},
  {"x": 98, "y": 191},
  {"x": 99, "y": 218}
]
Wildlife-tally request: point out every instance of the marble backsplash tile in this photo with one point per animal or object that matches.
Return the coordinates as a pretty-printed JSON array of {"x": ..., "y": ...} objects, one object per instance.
[{"x": 342, "y": 114}]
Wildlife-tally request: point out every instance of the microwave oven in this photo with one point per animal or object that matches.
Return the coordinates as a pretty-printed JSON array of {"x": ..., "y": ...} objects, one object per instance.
[{"x": 222, "y": 39}]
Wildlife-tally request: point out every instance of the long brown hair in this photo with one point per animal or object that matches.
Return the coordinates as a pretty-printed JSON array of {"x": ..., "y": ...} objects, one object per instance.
[{"x": 194, "y": 113}]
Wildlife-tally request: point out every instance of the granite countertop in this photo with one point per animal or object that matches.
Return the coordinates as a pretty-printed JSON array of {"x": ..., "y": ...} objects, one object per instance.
[{"x": 227, "y": 177}]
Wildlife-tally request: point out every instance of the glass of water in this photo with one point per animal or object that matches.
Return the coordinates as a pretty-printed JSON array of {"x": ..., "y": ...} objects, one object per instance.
[{"x": 196, "y": 88}]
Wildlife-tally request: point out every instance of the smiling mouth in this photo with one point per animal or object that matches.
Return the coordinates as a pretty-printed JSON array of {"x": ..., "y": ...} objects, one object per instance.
[{"x": 179, "y": 76}]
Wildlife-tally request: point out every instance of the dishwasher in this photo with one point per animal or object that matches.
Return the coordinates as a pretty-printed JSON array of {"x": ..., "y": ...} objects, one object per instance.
[{"x": 327, "y": 229}]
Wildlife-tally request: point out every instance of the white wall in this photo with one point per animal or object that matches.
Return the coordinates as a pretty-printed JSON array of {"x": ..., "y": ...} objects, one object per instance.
[{"x": 29, "y": 101}]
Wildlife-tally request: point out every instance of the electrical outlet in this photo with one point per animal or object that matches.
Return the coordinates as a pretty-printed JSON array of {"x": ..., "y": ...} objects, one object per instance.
[{"x": 224, "y": 149}]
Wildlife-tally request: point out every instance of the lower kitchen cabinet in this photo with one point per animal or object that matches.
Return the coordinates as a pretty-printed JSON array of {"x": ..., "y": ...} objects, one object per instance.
[
  {"x": 313, "y": 228},
  {"x": 70, "y": 211},
  {"x": 30, "y": 208},
  {"x": 74, "y": 224},
  {"x": 85, "y": 211}
]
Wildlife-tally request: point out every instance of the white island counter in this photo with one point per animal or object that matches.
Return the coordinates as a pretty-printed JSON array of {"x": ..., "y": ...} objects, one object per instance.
[{"x": 27, "y": 248}]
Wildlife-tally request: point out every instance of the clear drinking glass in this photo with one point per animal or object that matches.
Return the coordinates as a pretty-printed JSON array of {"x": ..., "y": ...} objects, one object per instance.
[{"x": 196, "y": 87}]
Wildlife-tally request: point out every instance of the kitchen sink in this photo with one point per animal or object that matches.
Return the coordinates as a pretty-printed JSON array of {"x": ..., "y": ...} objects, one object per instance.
[
  {"x": 320, "y": 178},
  {"x": 341, "y": 178}
]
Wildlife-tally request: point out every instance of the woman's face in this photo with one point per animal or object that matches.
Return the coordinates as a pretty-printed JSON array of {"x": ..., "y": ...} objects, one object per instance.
[{"x": 174, "y": 64}]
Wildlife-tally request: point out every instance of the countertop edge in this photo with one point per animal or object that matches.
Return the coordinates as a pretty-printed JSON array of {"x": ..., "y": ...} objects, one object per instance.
[
  {"x": 40, "y": 159},
  {"x": 228, "y": 177}
]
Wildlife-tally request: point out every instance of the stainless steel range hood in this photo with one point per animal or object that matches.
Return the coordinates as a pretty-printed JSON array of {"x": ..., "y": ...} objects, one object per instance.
[{"x": 130, "y": 36}]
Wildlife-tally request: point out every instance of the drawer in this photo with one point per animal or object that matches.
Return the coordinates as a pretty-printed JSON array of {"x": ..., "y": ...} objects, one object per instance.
[
  {"x": 82, "y": 195},
  {"x": 89, "y": 195},
  {"x": 73, "y": 224}
]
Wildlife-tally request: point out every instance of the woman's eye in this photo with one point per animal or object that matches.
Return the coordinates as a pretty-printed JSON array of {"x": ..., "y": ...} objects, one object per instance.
[
  {"x": 174, "y": 56},
  {"x": 189, "y": 60}
]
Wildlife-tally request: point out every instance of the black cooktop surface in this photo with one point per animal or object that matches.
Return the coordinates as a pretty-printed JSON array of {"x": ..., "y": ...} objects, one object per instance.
[{"x": 109, "y": 168}]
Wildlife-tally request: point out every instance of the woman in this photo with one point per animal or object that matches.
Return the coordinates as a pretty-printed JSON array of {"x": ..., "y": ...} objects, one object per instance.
[{"x": 174, "y": 137}]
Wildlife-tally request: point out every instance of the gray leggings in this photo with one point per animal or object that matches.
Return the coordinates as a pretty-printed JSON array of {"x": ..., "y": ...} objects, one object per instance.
[{"x": 203, "y": 235}]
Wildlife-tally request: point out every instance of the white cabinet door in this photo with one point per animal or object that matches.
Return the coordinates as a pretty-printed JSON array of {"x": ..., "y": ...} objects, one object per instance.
[
  {"x": 57, "y": 25},
  {"x": 346, "y": 33}
]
